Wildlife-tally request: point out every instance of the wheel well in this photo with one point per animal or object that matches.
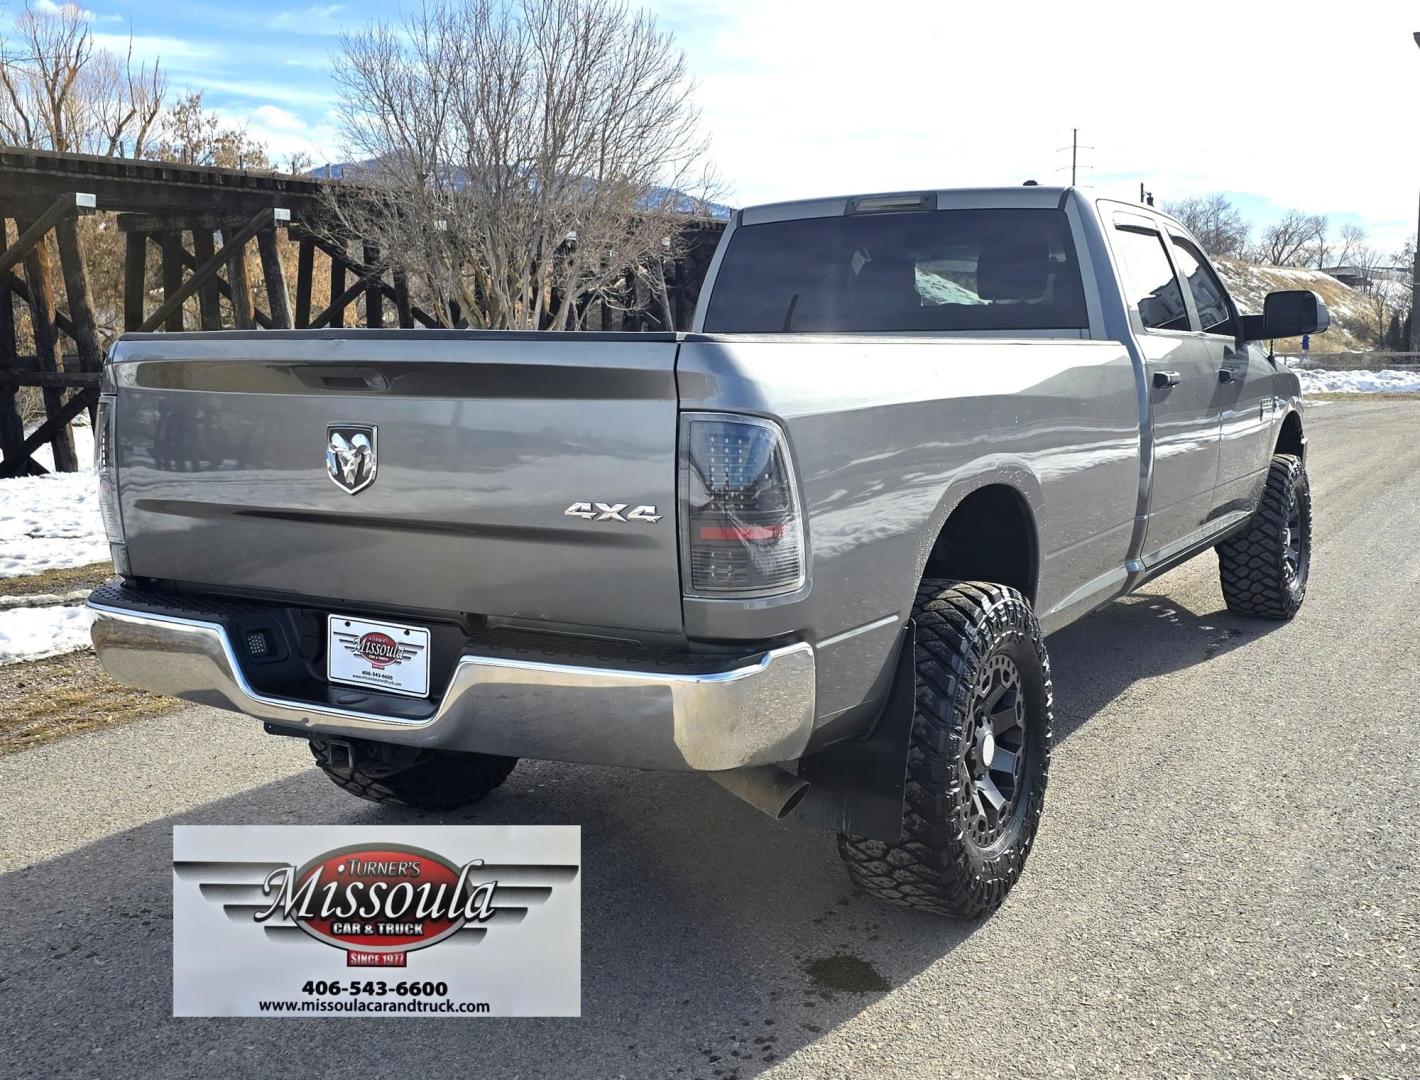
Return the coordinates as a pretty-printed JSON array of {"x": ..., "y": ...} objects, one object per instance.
[
  {"x": 1289, "y": 439},
  {"x": 990, "y": 536}
]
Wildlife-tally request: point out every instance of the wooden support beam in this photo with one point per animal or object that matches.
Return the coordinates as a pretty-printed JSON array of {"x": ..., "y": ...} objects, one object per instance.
[
  {"x": 170, "y": 244},
  {"x": 335, "y": 252},
  {"x": 243, "y": 310},
  {"x": 55, "y": 428},
  {"x": 63, "y": 379},
  {"x": 41, "y": 282},
  {"x": 135, "y": 279},
  {"x": 12, "y": 428},
  {"x": 339, "y": 303},
  {"x": 374, "y": 291},
  {"x": 261, "y": 318},
  {"x": 209, "y": 299},
  {"x": 274, "y": 274},
  {"x": 305, "y": 272},
  {"x": 64, "y": 206},
  {"x": 339, "y": 260},
  {"x": 174, "y": 300},
  {"x": 17, "y": 286},
  {"x": 76, "y": 291},
  {"x": 401, "y": 301}
]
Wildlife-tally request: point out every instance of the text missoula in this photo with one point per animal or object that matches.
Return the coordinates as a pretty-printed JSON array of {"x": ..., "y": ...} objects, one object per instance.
[{"x": 313, "y": 898}]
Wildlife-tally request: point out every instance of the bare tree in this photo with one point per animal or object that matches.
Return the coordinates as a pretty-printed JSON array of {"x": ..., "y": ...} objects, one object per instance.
[
  {"x": 518, "y": 156},
  {"x": 192, "y": 135},
  {"x": 1319, "y": 251},
  {"x": 59, "y": 92},
  {"x": 1216, "y": 223},
  {"x": 1382, "y": 291},
  {"x": 1292, "y": 240},
  {"x": 1353, "y": 239}
]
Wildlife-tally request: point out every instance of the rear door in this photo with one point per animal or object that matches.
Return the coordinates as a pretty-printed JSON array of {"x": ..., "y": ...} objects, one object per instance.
[
  {"x": 1182, "y": 385},
  {"x": 1245, "y": 381}
]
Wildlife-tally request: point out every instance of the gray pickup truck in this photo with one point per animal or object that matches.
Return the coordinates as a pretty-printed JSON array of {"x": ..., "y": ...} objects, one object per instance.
[{"x": 810, "y": 548}]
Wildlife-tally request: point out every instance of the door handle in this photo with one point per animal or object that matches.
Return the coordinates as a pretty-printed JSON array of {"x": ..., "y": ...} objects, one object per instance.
[
  {"x": 1164, "y": 379},
  {"x": 1226, "y": 376}
]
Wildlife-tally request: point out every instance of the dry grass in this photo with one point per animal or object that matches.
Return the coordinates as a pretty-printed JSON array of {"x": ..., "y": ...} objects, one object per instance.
[
  {"x": 44, "y": 700},
  {"x": 63, "y": 580}
]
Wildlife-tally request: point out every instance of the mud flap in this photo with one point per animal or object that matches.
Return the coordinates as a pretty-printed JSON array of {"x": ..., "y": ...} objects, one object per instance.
[{"x": 858, "y": 786}]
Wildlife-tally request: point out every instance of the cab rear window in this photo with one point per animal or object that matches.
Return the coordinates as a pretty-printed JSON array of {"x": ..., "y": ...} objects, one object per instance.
[{"x": 901, "y": 272}]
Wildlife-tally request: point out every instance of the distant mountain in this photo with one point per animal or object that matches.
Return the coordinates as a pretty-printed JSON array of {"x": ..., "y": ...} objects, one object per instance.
[{"x": 682, "y": 203}]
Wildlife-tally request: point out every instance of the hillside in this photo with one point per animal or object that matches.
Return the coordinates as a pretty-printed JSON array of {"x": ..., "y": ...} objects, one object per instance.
[{"x": 1352, "y": 313}]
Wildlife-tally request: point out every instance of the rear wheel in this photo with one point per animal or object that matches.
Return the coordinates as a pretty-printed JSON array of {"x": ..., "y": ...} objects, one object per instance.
[
  {"x": 978, "y": 760},
  {"x": 410, "y": 777},
  {"x": 1264, "y": 569}
]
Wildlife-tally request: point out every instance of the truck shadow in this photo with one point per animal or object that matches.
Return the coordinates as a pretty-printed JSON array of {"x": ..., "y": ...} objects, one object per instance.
[
  {"x": 715, "y": 942},
  {"x": 1142, "y": 636}
]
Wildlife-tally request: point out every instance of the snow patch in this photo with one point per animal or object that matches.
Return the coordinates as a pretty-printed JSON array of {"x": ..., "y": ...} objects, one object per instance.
[
  {"x": 52, "y": 521},
  {"x": 83, "y": 447},
  {"x": 48, "y": 522},
  {"x": 1384, "y": 381},
  {"x": 30, "y": 633}
]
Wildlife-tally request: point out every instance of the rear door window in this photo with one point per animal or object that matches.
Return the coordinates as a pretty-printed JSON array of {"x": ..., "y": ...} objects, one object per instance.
[
  {"x": 1150, "y": 286},
  {"x": 1209, "y": 296},
  {"x": 928, "y": 270}
]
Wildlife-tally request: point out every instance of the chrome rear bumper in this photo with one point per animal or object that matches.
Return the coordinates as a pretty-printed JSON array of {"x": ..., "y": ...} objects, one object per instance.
[{"x": 758, "y": 710}]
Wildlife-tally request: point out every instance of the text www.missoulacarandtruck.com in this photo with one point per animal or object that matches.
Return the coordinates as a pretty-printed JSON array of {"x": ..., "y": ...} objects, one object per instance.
[{"x": 375, "y": 1005}]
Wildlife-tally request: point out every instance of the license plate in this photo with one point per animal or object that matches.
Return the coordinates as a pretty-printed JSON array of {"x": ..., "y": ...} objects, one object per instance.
[{"x": 382, "y": 655}]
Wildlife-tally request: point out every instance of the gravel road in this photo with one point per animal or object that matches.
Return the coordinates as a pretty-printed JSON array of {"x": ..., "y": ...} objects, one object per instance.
[{"x": 1225, "y": 882}]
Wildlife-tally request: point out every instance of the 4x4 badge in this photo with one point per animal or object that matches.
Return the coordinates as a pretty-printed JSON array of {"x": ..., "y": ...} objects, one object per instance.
[{"x": 599, "y": 511}]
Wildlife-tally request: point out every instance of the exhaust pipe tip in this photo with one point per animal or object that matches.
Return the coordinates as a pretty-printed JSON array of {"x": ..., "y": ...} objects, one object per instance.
[{"x": 768, "y": 788}]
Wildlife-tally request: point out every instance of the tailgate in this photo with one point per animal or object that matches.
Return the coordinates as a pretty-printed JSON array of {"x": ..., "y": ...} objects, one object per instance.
[{"x": 482, "y": 441}]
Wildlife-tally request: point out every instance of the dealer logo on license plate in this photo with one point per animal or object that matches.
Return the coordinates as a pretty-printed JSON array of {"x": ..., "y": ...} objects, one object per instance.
[{"x": 386, "y": 656}]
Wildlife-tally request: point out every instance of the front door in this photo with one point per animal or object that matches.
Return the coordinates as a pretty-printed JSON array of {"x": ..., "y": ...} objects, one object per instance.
[
  {"x": 1245, "y": 386},
  {"x": 1182, "y": 386}
]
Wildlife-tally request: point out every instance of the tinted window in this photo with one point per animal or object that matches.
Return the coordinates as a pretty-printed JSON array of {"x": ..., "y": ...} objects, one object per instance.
[
  {"x": 1149, "y": 282},
  {"x": 1209, "y": 296},
  {"x": 930, "y": 270}
]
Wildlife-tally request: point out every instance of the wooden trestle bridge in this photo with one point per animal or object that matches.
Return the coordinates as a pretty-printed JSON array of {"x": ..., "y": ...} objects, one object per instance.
[{"x": 199, "y": 222}]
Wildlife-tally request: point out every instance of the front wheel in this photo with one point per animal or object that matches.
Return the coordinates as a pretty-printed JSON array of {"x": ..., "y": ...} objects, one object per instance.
[
  {"x": 1264, "y": 568},
  {"x": 978, "y": 759}
]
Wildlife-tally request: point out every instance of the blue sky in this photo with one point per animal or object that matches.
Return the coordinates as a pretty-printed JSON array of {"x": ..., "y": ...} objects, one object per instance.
[{"x": 804, "y": 98}]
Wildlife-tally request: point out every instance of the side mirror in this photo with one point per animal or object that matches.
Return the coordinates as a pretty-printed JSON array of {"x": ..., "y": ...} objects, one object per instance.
[{"x": 1287, "y": 314}]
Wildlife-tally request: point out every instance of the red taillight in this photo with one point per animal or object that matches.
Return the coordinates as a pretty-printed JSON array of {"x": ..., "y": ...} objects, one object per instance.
[
  {"x": 740, "y": 512},
  {"x": 741, "y": 532}
]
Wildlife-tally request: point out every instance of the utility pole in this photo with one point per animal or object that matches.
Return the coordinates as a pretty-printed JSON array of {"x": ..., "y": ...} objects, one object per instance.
[
  {"x": 1415, "y": 277},
  {"x": 1074, "y": 149}
]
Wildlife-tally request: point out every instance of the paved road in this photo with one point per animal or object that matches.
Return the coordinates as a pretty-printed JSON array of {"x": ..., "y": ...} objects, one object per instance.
[{"x": 1225, "y": 883}]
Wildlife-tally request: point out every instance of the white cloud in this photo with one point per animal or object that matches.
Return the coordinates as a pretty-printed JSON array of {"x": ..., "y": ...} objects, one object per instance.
[
  {"x": 284, "y": 133},
  {"x": 319, "y": 97},
  {"x": 49, "y": 7},
  {"x": 805, "y": 98},
  {"x": 317, "y": 19},
  {"x": 150, "y": 47},
  {"x": 277, "y": 118}
]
